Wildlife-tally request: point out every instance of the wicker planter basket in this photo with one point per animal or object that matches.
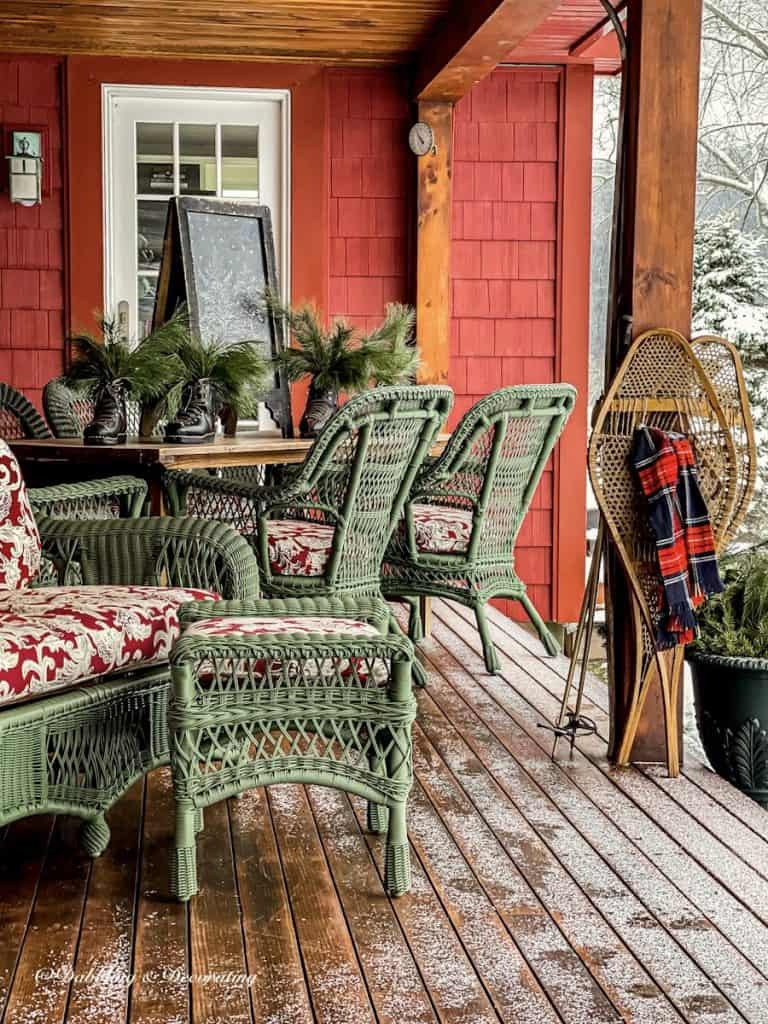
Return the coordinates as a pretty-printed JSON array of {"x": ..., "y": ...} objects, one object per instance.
[{"x": 731, "y": 696}]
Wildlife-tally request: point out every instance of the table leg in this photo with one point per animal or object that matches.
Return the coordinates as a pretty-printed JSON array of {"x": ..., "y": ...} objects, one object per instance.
[
  {"x": 425, "y": 607},
  {"x": 156, "y": 496}
]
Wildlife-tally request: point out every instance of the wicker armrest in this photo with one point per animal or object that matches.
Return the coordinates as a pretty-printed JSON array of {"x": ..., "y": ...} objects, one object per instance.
[
  {"x": 171, "y": 551},
  {"x": 372, "y": 610},
  {"x": 81, "y": 500},
  {"x": 179, "y": 482}
]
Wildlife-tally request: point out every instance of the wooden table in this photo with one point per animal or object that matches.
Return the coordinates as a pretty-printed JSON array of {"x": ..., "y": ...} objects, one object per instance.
[{"x": 147, "y": 458}]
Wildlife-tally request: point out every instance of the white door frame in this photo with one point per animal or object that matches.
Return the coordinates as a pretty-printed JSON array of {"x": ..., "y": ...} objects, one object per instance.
[{"x": 110, "y": 93}]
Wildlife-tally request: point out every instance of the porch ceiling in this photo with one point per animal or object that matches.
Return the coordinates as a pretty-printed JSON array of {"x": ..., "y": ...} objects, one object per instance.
[{"x": 376, "y": 32}]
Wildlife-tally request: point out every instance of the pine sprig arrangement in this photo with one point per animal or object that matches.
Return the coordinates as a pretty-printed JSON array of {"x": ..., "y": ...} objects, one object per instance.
[
  {"x": 238, "y": 372},
  {"x": 146, "y": 369},
  {"x": 341, "y": 359},
  {"x": 734, "y": 624},
  {"x": 393, "y": 356}
]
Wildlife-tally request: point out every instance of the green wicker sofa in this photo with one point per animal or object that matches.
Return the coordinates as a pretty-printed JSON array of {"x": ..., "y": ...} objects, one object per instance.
[{"x": 84, "y": 674}]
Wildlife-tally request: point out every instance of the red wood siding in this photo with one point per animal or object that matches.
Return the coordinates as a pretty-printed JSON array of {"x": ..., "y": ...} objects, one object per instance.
[
  {"x": 371, "y": 185},
  {"x": 32, "y": 238},
  {"x": 506, "y": 146}
]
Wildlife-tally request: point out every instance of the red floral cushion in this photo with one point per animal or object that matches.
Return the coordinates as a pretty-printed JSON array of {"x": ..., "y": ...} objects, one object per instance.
[
  {"x": 441, "y": 530},
  {"x": 19, "y": 538},
  {"x": 60, "y": 636},
  {"x": 260, "y": 625},
  {"x": 298, "y": 548}
]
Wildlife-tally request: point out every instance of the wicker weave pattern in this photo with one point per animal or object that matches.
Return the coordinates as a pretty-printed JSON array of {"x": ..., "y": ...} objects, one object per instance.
[
  {"x": 355, "y": 478},
  {"x": 18, "y": 417},
  {"x": 77, "y": 752},
  {"x": 491, "y": 468},
  {"x": 332, "y": 710},
  {"x": 722, "y": 364}
]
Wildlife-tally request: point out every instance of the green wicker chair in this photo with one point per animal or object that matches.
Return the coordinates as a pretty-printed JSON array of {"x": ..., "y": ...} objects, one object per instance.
[
  {"x": 108, "y": 498},
  {"x": 77, "y": 750},
  {"x": 462, "y": 518},
  {"x": 304, "y": 690},
  {"x": 324, "y": 530}
]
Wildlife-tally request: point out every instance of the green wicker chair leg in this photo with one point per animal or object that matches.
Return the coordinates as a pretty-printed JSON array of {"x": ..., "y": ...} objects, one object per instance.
[
  {"x": 94, "y": 835},
  {"x": 490, "y": 655},
  {"x": 184, "y": 863},
  {"x": 398, "y": 858},
  {"x": 199, "y": 820},
  {"x": 377, "y": 815},
  {"x": 551, "y": 645}
]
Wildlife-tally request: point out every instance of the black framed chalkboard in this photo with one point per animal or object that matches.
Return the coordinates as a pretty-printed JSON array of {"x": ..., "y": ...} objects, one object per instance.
[{"x": 218, "y": 257}]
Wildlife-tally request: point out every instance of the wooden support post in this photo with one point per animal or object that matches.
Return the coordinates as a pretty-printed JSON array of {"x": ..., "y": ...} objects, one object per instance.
[
  {"x": 433, "y": 297},
  {"x": 659, "y": 206}
]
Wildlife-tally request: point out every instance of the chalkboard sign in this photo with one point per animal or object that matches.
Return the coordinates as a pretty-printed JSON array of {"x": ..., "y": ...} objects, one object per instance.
[{"x": 218, "y": 257}]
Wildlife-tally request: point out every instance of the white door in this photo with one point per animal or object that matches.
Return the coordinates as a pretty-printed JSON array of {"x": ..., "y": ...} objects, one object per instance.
[{"x": 169, "y": 141}]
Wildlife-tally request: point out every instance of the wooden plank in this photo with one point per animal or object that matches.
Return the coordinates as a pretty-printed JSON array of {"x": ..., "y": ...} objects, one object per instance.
[
  {"x": 471, "y": 41},
  {"x": 337, "y": 989},
  {"x": 395, "y": 985},
  {"x": 44, "y": 971},
  {"x": 602, "y": 950},
  {"x": 22, "y": 856},
  {"x": 613, "y": 825},
  {"x": 102, "y": 980},
  {"x": 334, "y": 32},
  {"x": 449, "y": 974},
  {"x": 278, "y": 987},
  {"x": 160, "y": 992},
  {"x": 449, "y": 823},
  {"x": 744, "y": 842},
  {"x": 433, "y": 245},
  {"x": 220, "y": 988}
]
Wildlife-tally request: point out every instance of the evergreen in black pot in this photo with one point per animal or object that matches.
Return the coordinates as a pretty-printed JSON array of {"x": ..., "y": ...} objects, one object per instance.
[{"x": 729, "y": 665}]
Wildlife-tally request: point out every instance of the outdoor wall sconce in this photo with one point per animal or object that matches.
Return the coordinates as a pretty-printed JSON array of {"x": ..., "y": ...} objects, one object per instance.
[{"x": 25, "y": 166}]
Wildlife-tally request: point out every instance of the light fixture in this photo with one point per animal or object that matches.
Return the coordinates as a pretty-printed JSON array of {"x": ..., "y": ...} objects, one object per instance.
[{"x": 25, "y": 167}]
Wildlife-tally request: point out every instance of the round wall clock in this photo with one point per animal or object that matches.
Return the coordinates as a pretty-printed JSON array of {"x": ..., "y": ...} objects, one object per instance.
[{"x": 421, "y": 139}]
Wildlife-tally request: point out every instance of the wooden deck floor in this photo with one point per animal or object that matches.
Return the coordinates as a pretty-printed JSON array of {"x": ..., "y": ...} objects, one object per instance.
[{"x": 542, "y": 892}]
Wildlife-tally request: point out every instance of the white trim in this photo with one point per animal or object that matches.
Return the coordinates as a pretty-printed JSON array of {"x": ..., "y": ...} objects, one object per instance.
[{"x": 112, "y": 92}]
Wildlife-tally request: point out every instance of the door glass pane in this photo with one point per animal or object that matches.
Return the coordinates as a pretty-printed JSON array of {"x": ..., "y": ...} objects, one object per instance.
[
  {"x": 146, "y": 294},
  {"x": 150, "y": 223},
  {"x": 154, "y": 159},
  {"x": 197, "y": 159},
  {"x": 240, "y": 160}
]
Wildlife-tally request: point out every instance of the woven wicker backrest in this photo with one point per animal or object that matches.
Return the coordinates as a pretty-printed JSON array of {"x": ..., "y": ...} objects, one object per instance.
[
  {"x": 722, "y": 364},
  {"x": 361, "y": 469},
  {"x": 69, "y": 411},
  {"x": 494, "y": 461},
  {"x": 18, "y": 417},
  {"x": 660, "y": 384}
]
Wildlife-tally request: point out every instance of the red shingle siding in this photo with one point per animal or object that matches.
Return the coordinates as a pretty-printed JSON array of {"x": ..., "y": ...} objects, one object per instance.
[
  {"x": 504, "y": 265},
  {"x": 32, "y": 238},
  {"x": 372, "y": 176}
]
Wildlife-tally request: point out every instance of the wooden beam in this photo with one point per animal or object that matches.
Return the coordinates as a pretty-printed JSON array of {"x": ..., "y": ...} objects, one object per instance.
[
  {"x": 433, "y": 246},
  {"x": 659, "y": 206},
  {"x": 471, "y": 41}
]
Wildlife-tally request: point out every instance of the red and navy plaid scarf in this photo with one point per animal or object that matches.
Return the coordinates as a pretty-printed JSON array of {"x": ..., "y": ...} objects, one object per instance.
[{"x": 685, "y": 545}]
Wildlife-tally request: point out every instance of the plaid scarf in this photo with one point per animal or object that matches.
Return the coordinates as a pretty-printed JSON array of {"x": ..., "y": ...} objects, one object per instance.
[{"x": 685, "y": 545}]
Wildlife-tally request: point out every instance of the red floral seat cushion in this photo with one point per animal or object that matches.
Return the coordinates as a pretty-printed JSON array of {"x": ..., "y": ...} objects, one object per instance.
[
  {"x": 60, "y": 636},
  {"x": 297, "y": 547},
  {"x": 441, "y": 530},
  {"x": 19, "y": 538}
]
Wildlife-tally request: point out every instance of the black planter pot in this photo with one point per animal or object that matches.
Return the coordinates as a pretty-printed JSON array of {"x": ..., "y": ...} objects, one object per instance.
[
  {"x": 731, "y": 696},
  {"x": 321, "y": 405}
]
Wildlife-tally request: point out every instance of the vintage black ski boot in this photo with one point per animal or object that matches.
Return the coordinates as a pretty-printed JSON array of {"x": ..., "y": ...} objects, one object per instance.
[
  {"x": 108, "y": 425},
  {"x": 194, "y": 423}
]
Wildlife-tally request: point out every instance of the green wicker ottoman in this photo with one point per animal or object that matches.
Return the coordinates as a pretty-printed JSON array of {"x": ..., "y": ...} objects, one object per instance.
[{"x": 300, "y": 690}]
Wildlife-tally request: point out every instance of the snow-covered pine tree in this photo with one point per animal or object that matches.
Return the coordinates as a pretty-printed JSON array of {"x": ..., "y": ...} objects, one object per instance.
[{"x": 730, "y": 298}]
